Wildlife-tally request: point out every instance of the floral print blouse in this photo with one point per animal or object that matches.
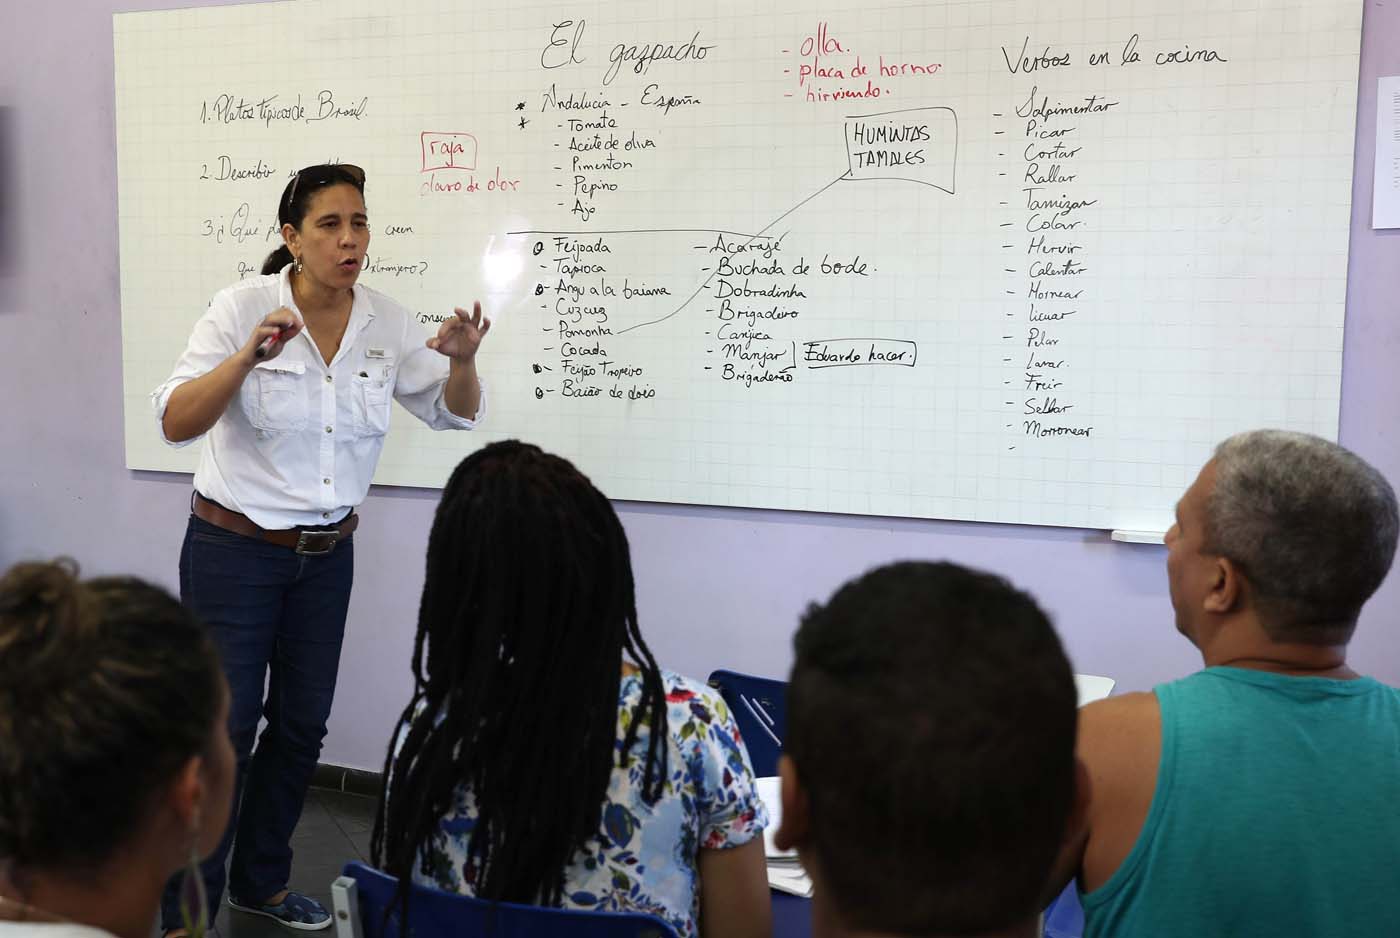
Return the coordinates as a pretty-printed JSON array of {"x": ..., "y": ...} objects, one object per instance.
[{"x": 644, "y": 857}]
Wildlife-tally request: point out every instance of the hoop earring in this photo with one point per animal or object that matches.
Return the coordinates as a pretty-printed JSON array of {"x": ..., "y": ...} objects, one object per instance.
[{"x": 298, "y": 265}]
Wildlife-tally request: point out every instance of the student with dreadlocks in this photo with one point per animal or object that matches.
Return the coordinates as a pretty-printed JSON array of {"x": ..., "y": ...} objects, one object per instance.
[{"x": 534, "y": 764}]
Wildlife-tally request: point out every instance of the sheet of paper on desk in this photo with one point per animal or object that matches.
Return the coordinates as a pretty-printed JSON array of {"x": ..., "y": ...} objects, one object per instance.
[
  {"x": 1385, "y": 205},
  {"x": 785, "y": 873},
  {"x": 770, "y": 793},
  {"x": 1091, "y": 687},
  {"x": 793, "y": 881}
]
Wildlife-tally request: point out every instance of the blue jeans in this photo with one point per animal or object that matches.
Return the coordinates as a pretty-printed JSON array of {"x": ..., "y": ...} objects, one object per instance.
[{"x": 277, "y": 618}]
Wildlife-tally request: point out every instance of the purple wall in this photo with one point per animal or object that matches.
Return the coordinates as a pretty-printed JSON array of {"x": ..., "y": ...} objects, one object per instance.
[{"x": 717, "y": 586}]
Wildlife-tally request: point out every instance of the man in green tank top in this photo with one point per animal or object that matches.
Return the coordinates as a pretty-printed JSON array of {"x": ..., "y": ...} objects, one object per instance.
[{"x": 1261, "y": 795}]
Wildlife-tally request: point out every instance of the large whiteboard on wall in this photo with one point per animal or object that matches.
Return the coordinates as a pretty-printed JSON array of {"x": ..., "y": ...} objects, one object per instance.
[{"x": 998, "y": 260}]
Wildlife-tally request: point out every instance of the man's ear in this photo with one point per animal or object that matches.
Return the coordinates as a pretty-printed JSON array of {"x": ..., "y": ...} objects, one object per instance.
[
  {"x": 1077, "y": 827},
  {"x": 794, "y": 828},
  {"x": 187, "y": 793},
  {"x": 1227, "y": 587},
  {"x": 1071, "y": 854}
]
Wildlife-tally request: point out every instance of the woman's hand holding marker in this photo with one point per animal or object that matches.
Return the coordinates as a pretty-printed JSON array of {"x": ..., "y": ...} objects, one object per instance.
[{"x": 276, "y": 329}]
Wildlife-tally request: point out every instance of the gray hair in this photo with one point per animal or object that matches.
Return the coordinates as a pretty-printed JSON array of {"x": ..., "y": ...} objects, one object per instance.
[{"x": 1312, "y": 525}]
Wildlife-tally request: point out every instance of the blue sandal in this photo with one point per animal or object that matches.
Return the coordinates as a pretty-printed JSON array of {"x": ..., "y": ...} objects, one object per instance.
[{"x": 295, "y": 911}]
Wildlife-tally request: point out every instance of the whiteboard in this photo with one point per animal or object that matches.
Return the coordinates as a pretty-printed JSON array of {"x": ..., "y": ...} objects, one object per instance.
[{"x": 994, "y": 260}]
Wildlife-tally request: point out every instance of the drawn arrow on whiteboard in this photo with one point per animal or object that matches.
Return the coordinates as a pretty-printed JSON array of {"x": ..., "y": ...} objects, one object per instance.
[{"x": 706, "y": 282}]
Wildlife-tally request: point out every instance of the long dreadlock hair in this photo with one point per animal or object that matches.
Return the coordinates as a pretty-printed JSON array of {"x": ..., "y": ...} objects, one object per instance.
[{"x": 527, "y": 610}]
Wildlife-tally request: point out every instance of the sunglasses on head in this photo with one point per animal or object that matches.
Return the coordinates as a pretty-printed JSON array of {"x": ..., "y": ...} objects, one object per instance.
[{"x": 324, "y": 174}]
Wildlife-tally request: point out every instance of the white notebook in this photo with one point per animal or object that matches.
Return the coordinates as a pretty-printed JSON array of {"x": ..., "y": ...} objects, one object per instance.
[
  {"x": 785, "y": 873},
  {"x": 1091, "y": 687}
]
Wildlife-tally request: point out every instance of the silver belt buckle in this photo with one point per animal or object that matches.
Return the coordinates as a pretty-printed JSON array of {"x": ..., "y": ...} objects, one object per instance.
[{"x": 317, "y": 543}]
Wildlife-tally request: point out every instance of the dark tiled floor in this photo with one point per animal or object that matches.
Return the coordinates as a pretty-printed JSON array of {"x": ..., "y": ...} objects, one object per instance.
[{"x": 334, "y": 830}]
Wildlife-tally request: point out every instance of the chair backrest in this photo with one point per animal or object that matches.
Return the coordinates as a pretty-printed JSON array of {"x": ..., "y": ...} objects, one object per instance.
[
  {"x": 362, "y": 894},
  {"x": 1064, "y": 917},
  {"x": 760, "y": 708}
]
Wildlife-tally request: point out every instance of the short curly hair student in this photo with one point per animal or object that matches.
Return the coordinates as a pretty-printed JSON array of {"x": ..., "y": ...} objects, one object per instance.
[
  {"x": 929, "y": 774},
  {"x": 115, "y": 764}
]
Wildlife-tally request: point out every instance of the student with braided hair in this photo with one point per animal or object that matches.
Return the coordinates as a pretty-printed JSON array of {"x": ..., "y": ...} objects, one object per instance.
[
  {"x": 545, "y": 757},
  {"x": 115, "y": 765}
]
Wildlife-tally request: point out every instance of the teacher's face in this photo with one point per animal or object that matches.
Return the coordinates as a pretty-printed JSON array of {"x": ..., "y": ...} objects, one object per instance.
[{"x": 333, "y": 237}]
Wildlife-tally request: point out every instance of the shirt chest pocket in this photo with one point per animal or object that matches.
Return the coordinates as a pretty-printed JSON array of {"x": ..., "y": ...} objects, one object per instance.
[
  {"x": 275, "y": 397},
  {"x": 372, "y": 399}
]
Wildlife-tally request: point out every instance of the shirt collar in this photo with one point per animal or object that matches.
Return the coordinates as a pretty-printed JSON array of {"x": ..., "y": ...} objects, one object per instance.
[{"x": 361, "y": 310}]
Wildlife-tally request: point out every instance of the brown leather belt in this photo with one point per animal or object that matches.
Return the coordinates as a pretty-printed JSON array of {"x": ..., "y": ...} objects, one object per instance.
[{"x": 311, "y": 542}]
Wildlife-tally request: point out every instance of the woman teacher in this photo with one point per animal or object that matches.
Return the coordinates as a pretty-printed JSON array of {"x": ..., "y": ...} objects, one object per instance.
[{"x": 291, "y": 376}]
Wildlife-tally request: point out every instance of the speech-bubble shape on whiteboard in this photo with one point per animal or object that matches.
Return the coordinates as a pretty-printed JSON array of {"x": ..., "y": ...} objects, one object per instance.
[
  {"x": 447, "y": 150},
  {"x": 914, "y": 145}
]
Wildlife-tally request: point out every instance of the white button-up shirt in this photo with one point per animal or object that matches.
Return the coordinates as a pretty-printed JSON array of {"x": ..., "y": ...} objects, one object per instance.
[{"x": 300, "y": 442}]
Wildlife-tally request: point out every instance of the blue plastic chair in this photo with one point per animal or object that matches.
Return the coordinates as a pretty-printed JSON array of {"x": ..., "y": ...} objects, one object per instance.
[
  {"x": 1064, "y": 917},
  {"x": 361, "y": 895},
  {"x": 759, "y": 705}
]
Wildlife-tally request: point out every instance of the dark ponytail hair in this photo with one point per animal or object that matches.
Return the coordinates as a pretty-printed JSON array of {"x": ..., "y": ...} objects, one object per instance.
[
  {"x": 296, "y": 201},
  {"x": 527, "y": 610},
  {"x": 107, "y": 687},
  {"x": 279, "y": 258}
]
